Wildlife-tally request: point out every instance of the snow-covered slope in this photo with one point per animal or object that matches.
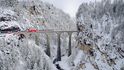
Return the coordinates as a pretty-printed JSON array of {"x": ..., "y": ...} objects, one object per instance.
[
  {"x": 46, "y": 15},
  {"x": 101, "y": 27},
  {"x": 36, "y": 14},
  {"x": 15, "y": 53}
]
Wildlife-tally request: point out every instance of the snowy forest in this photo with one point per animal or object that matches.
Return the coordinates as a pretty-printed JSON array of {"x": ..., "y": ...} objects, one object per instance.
[{"x": 35, "y": 35}]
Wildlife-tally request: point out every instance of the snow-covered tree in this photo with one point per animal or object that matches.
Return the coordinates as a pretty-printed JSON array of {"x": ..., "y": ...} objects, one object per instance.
[
  {"x": 102, "y": 29},
  {"x": 8, "y": 3}
]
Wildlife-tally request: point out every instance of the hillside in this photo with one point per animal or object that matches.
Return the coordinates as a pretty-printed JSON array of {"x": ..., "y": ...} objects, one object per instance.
[
  {"x": 20, "y": 53},
  {"x": 101, "y": 27}
]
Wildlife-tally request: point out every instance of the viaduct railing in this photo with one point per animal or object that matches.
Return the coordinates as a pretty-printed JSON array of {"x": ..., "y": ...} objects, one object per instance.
[{"x": 47, "y": 33}]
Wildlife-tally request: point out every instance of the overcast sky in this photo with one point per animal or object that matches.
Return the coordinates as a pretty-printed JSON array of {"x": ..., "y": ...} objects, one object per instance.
[{"x": 68, "y": 6}]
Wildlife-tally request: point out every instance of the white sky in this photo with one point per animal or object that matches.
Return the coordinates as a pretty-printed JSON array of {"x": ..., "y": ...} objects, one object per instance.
[{"x": 68, "y": 6}]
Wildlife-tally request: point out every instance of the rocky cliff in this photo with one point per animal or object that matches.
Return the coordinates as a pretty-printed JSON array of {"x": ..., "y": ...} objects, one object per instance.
[{"x": 101, "y": 31}]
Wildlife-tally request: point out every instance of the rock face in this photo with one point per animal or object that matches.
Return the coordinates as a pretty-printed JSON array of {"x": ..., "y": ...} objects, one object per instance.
[
  {"x": 101, "y": 27},
  {"x": 43, "y": 14},
  {"x": 35, "y": 14},
  {"x": 8, "y": 21}
]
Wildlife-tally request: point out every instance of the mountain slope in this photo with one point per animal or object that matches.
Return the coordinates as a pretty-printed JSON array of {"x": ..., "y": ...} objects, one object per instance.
[
  {"x": 101, "y": 29},
  {"x": 18, "y": 52}
]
